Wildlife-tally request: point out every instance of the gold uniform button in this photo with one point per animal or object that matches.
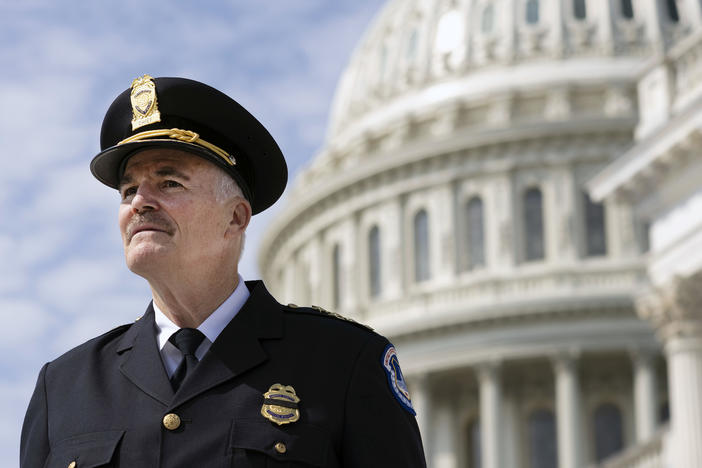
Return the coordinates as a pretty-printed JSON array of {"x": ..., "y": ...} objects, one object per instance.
[
  {"x": 280, "y": 447},
  {"x": 72, "y": 465},
  {"x": 171, "y": 421}
]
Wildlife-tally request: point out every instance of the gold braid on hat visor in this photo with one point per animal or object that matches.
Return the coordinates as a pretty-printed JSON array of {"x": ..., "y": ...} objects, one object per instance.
[{"x": 186, "y": 136}]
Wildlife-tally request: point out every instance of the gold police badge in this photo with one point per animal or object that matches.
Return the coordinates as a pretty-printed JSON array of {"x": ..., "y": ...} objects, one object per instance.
[
  {"x": 280, "y": 404},
  {"x": 144, "y": 104}
]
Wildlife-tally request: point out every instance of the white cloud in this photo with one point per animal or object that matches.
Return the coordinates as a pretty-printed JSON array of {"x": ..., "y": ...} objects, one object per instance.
[
  {"x": 98, "y": 316},
  {"x": 70, "y": 194},
  {"x": 13, "y": 277},
  {"x": 37, "y": 246},
  {"x": 28, "y": 319},
  {"x": 14, "y": 398},
  {"x": 76, "y": 284}
]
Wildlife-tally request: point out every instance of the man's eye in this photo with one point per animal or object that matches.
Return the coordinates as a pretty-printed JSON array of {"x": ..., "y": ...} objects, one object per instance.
[
  {"x": 171, "y": 183},
  {"x": 128, "y": 192}
]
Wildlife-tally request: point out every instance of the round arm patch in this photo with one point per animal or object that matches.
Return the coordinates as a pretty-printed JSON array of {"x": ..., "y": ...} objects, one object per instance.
[{"x": 398, "y": 386}]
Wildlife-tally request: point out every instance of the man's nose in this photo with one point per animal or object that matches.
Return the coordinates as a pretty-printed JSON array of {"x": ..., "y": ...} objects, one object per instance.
[{"x": 144, "y": 200}]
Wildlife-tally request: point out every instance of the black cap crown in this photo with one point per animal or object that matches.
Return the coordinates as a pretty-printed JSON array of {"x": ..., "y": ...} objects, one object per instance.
[{"x": 191, "y": 116}]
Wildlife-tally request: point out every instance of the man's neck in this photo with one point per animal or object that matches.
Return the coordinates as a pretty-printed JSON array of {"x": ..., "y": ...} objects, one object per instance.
[{"x": 189, "y": 303}]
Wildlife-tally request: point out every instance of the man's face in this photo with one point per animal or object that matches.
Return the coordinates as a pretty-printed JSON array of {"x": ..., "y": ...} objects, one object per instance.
[{"x": 171, "y": 219}]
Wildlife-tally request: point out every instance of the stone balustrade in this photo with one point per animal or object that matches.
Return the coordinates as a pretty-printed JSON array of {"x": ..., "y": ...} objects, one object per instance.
[{"x": 645, "y": 455}]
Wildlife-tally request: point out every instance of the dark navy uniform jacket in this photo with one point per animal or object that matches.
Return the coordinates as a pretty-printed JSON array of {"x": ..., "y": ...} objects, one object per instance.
[{"x": 103, "y": 403}]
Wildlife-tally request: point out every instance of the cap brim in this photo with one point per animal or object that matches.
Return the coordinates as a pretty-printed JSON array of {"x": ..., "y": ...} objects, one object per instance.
[{"x": 108, "y": 165}]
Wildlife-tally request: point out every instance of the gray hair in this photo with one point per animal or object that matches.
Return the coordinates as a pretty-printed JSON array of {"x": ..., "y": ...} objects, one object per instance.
[{"x": 226, "y": 188}]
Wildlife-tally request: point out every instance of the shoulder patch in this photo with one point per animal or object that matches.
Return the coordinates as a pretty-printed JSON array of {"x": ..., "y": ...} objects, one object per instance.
[
  {"x": 396, "y": 381},
  {"x": 317, "y": 310}
]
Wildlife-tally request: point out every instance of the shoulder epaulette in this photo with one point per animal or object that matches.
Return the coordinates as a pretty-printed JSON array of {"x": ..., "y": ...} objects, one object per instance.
[
  {"x": 317, "y": 310},
  {"x": 119, "y": 329}
]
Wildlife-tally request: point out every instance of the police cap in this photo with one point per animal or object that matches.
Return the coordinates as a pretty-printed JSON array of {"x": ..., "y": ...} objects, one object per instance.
[{"x": 188, "y": 115}]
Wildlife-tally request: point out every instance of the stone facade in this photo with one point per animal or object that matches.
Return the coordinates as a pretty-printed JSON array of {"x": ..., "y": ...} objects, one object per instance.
[
  {"x": 659, "y": 177},
  {"x": 449, "y": 209}
]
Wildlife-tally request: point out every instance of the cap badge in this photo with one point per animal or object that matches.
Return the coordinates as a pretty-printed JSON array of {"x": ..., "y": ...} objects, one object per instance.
[
  {"x": 144, "y": 104},
  {"x": 280, "y": 404}
]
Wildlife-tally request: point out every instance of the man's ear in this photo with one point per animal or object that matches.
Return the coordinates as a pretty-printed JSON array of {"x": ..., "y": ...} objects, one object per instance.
[{"x": 241, "y": 215}]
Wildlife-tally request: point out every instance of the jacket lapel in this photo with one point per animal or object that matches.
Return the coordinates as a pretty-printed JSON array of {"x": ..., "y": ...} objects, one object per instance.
[
  {"x": 238, "y": 348},
  {"x": 141, "y": 361}
]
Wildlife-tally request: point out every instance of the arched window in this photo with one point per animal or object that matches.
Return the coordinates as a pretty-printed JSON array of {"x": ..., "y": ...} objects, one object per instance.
[
  {"x": 672, "y": 7},
  {"x": 474, "y": 457},
  {"x": 336, "y": 276},
  {"x": 422, "y": 271},
  {"x": 595, "y": 238},
  {"x": 579, "y": 9},
  {"x": 608, "y": 431},
  {"x": 488, "y": 19},
  {"x": 664, "y": 412},
  {"x": 542, "y": 439},
  {"x": 627, "y": 9},
  {"x": 532, "y": 11},
  {"x": 533, "y": 225},
  {"x": 475, "y": 234},
  {"x": 374, "y": 261}
]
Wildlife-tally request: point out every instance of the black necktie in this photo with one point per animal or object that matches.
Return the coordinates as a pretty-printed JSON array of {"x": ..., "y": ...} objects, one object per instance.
[{"x": 187, "y": 341}]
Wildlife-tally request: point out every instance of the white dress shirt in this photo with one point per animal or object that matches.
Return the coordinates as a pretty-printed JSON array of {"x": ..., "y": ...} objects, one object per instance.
[{"x": 211, "y": 328}]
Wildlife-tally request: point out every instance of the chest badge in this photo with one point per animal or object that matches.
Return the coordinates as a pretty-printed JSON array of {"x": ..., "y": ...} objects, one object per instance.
[{"x": 280, "y": 404}]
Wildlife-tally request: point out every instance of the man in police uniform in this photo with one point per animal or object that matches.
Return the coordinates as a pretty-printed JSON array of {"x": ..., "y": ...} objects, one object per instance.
[{"x": 216, "y": 373}]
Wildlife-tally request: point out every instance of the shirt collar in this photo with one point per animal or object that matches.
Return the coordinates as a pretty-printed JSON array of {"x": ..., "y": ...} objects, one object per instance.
[{"x": 213, "y": 325}]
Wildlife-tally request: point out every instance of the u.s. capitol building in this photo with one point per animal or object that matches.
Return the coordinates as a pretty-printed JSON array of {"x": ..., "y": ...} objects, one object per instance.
[{"x": 469, "y": 203}]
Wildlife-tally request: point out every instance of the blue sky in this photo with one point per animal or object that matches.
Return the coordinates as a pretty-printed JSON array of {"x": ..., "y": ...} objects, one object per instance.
[{"x": 62, "y": 274}]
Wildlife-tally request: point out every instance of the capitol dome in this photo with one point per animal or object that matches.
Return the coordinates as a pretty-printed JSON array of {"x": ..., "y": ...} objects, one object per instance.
[{"x": 447, "y": 209}]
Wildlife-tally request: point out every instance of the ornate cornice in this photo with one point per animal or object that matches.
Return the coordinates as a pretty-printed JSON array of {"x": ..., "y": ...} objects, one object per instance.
[
  {"x": 675, "y": 309},
  {"x": 506, "y": 318},
  {"x": 567, "y": 361}
]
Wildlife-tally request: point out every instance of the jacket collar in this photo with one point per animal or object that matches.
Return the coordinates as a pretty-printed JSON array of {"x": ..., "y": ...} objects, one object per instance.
[
  {"x": 142, "y": 363},
  {"x": 236, "y": 350}
]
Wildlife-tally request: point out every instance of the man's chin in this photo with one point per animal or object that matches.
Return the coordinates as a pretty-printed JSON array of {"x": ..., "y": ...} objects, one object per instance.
[{"x": 145, "y": 261}]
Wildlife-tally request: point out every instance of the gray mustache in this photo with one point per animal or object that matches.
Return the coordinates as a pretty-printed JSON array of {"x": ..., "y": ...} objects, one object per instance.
[{"x": 148, "y": 219}]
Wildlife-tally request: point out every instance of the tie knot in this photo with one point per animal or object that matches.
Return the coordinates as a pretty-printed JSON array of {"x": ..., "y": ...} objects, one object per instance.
[{"x": 187, "y": 340}]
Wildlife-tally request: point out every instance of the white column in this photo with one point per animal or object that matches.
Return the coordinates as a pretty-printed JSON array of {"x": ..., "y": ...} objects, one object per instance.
[
  {"x": 563, "y": 242},
  {"x": 606, "y": 33},
  {"x": 500, "y": 227},
  {"x": 508, "y": 33},
  {"x": 652, "y": 16},
  {"x": 568, "y": 412},
  {"x": 315, "y": 271},
  {"x": 444, "y": 438},
  {"x": 350, "y": 268},
  {"x": 289, "y": 280},
  {"x": 675, "y": 309},
  {"x": 691, "y": 10},
  {"x": 556, "y": 18},
  {"x": 685, "y": 388},
  {"x": 421, "y": 401},
  {"x": 490, "y": 396},
  {"x": 441, "y": 220},
  {"x": 644, "y": 395},
  {"x": 512, "y": 425},
  {"x": 393, "y": 262}
]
